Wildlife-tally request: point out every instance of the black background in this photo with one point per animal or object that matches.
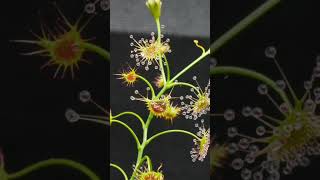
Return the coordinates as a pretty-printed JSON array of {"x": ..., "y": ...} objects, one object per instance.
[
  {"x": 292, "y": 27},
  {"x": 32, "y": 125}
]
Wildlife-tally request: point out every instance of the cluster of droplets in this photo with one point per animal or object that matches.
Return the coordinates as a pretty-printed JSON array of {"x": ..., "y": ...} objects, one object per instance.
[
  {"x": 146, "y": 51},
  {"x": 92, "y": 5},
  {"x": 61, "y": 45},
  {"x": 198, "y": 103},
  {"x": 85, "y": 97},
  {"x": 144, "y": 172},
  {"x": 139, "y": 97},
  {"x": 279, "y": 144},
  {"x": 200, "y": 151}
]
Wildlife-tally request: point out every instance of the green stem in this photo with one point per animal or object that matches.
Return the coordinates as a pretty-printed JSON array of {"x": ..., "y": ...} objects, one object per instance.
[
  {"x": 171, "y": 131},
  {"x": 146, "y": 158},
  {"x": 184, "y": 84},
  {"x": 224, "y": 70},
  {"x": 120, "y": 170},
  {"x": 168, "y": 68},
  {"x": 203, "y": 55},
  {"x": 141, "y": 148},
  {"x": 129, "y": 129},
  {"x": 244, "y": 23},
  {"x": 95, "y": 121},
  {"x": 264, "y": 8},
  {"x": 130, "y": 113},
  {"x": 160, "y": 55},
  {"x": 214, "y": 47},
  {"x": 138, "y": 164},
  {"x": 54, "y": 162},
  {"x": 94, "y": 48},
  {"x": 149, "y": 163},
  {"x": 148, "y": 83}
]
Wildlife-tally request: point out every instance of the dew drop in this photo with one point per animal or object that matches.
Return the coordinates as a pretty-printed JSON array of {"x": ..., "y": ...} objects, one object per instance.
[
  {"x": 237, "y": 164},
  {"x": 232, "y": 132},
  {"x": 281, "y": 84},
  {"x": 105, "y": 5},
  {"x": 84, "y": 96},
  {"x": 72, "y": 116},
  {"x": 246, "y": 174},
  {"x": 261, "y": 130},
  {"x": 244, "y": 143},
  {"x": 232, "y": 148},
  {"x": 270, "y": 52},
  {"x": 307, "y": 85},
  {"x": 90, "y": 8},
  {"x": 263, "y": 89},
  {"x": 246, "y": 111},
  {"x": 258, "y": 176},
  {"x": 229, "y": 115},
  {"x": 257, "y": 112}
]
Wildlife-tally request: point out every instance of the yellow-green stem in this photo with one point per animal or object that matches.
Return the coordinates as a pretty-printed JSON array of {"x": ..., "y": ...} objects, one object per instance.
[
  {"x": 160, "y": 55},
  {"x": 96, "y": 49},
  {"x": 120, "y": 170},
  {"x": 54, "y": 162}
]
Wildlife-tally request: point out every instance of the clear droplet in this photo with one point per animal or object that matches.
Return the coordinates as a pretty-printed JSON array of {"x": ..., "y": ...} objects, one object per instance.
[
  {"x": 90, "y": 8},
  {"x": 229, "y": 115},
  {"x": 246, "y": 174},
  {"x": 271, "y": 52},
  {"x": 257, "y": 112},
  {"x": 281, "y": 84},
  {"x": 237, "y": 164},
  {"x": 232, "y": 132},
  {"x": 263, "y": 89},
  {"x": 72, "y": 116},
  {"x": 246, "y": 111},
  {"x": 84, "y": 96},
  {"x": 261, "y": 130},
  {"x": 105, "y": 5}
]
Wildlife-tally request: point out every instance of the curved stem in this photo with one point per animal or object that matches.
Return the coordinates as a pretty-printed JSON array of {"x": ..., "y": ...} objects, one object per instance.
[
  {"x": 94, "y": 48},
  {"x": 95, "y": 121},
  {"x": 150, "y": 117},
  {"x": 244, "y": 23},
  {"x": 184, "y": 84},
  {"x": 120, "y": 170},
  {"x": 231, "y": 33},
  {"x": 148, "y": 83},
  {"x": 54, "y": 162},
  {"x": 149, "y": 163},
  {"x": 168, "y": 68},
  {"x": 251, "y": 74},
  {"x": 130, "y": 113},
  {"x": 146, "y": 158},
  {"x": 172, "y": 131},
  {"x": 130, "y": 130}
]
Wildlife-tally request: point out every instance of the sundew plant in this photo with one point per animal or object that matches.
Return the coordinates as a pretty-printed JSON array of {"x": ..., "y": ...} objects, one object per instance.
[
  {"x": 64, "y": 45},
  {"x": 271, "y": 140},
  {"x": 151, "y": 55},
  {"x": 281, "y": 142},
  {"x": 65, "y": 48}
]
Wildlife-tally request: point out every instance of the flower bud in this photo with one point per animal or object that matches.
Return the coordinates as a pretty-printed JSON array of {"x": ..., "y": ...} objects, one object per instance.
[{"x": 155, "y": 7}]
